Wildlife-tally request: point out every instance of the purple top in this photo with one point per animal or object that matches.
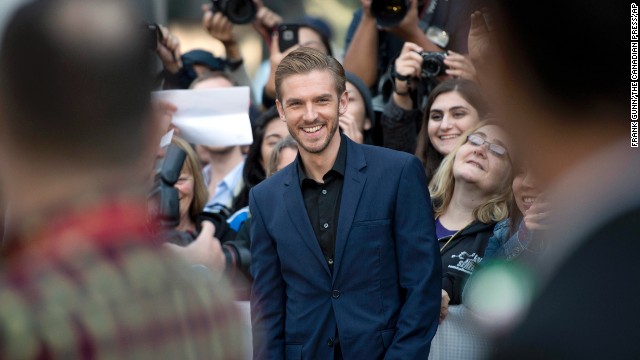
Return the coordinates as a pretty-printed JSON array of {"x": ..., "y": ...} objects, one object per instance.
[{"x": 442, "y": 231}]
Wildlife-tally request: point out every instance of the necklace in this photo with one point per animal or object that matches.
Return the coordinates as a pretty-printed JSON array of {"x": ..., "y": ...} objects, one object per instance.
[{"x": 452, "y": 236}]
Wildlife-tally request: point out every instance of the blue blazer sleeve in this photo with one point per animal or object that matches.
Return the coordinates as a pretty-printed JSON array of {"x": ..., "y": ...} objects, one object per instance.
[
  {"x": 268, "y": 290},
  {"x": 419, "y": 266}
]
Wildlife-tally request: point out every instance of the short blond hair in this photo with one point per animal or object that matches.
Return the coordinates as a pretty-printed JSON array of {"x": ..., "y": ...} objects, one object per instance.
[
  {"x": 496, "y": 208},
  {"x": 305, "y": 60}
]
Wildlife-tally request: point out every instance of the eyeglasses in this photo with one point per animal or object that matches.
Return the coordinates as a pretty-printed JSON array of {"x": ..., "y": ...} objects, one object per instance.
[{"x": 478, "y": 140}]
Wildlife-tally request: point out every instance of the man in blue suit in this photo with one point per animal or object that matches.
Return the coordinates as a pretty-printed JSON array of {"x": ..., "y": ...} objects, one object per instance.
[{"x": 345, "y": 257}]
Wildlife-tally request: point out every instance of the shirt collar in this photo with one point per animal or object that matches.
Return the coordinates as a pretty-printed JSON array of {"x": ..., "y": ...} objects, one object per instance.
[{"x": 339, "y": 165}]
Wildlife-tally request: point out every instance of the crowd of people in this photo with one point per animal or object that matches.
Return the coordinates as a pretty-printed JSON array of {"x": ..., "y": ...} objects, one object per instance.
[{"x": 444, "y": 163}]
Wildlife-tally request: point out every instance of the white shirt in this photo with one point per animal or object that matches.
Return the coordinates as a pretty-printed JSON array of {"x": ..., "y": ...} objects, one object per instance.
[{"x": 225, "y": 188}]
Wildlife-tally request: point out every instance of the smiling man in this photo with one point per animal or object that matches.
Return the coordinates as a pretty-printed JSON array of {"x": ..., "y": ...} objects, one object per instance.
[{"x": 345, "y": 260}]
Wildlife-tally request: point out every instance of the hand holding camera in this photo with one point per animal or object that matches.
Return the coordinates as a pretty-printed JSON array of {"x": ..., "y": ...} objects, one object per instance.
[
  {"x": 266, "y": 21},
  {"x": 237, "y": 11},
  {"x": 408, "y": 65},
  {"x": 459, "y": 66},
  {"x": 218, "y": 25},
  {"x": 168, "y": 49}
]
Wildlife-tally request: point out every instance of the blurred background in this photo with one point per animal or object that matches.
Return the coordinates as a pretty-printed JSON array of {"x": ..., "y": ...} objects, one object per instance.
[{"x": 183, "y": 17}]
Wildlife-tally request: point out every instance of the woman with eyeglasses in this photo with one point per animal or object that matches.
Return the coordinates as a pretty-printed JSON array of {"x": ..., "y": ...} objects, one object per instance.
[{"x": 471, "y": 192}]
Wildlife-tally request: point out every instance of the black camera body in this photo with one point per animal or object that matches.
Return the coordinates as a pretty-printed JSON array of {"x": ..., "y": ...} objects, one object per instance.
[
  {"x": 432, "y": 64},
  {"x": 152, "y": 36},
  {"x": 238, "y": 11}
]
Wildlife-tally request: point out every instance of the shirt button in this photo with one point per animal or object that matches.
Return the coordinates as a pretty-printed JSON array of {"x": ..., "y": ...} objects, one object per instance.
[
  {"x": 330, "y": 261},
  {"x": 335, "y": 294},
  {"x": 324, "y": 192},
  {"x": 326, "y": 225},
  {"x": 330, "y": 342}
]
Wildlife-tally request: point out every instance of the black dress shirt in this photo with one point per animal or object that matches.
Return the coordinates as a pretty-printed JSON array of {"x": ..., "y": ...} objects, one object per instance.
[{"x": 322, "y": 201}]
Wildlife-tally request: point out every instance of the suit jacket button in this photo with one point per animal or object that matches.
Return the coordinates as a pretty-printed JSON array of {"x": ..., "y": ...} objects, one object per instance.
[
  {"x": 335, "y": 294},
  {"x": 330, "y": 342}
]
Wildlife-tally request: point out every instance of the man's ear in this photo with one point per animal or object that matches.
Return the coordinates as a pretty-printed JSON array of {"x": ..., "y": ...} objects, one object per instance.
[
  {"x": 280, "y": 110},
  {"x": 344, "y": 103}
]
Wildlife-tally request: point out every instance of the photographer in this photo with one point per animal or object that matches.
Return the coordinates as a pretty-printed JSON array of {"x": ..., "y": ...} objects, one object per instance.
[
  {"x": 434, "y": 26},
  {"x": 442, "y": 25},
  {"x": 407, "y": 128},
  {"x": 221, "y": 27},
  {"x": 223, "y": 252},
  {"x": 181, "y": 69}
]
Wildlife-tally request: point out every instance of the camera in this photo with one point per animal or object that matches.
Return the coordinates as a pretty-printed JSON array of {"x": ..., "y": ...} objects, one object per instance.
[
  {"x": 389, "y": 13},
  {"x": 152, "y": 36},
  {"x": 433, "y": 64},
  {"x": 238, "y": 11}
]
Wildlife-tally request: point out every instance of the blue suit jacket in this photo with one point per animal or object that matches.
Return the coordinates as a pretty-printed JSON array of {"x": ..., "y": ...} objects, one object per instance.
[{"x": 384, "y": 295}]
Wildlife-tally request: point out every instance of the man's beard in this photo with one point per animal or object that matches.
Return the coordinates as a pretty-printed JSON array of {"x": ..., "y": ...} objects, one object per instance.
[{"x": 331, "y": 133}]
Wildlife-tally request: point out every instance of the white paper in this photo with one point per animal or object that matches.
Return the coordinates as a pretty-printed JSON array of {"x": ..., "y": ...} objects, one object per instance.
[
  {"x": 211, "y": 117},
  {"x": 166, "y": 139}
]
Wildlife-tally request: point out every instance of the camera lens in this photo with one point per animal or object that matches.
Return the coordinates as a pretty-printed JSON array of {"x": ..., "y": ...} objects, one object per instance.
[
  {"x": 431, "y": 67},
  {"x": 389, "y": 13},
  {"x": 432, "y": 64},
  {"x": 241, "y": 11}
]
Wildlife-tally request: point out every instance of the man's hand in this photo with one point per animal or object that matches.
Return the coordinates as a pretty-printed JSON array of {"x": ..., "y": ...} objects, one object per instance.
[
  {"x": 366, "y": 8},
  {"x": 217, "y": 25},
  {"x": 409, "y": 63},
  {"x": 460, "y": 66},
  {"x": 479, "y": 40},
  {"x": 266, "y": 20},
  {"x": 169, "y": 51},
  {"x": 537, "y": 216},
  {"x": 204, "y": 250},
  {"x": 444, "y": 305},
  {"x": 409, "y": 27}
]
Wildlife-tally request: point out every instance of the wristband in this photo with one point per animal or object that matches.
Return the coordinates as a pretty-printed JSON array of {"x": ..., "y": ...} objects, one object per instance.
[
  {"x": 233, "y": 65},
  {"x": 397, "y": 76}
]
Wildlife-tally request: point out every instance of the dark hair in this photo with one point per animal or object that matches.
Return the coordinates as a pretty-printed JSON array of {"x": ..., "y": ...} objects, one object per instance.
[
  {"x": 548, "y": 48},
  {"x": 305, "y": 60},
  {"x": 321, "y": 27},
  {"x": 254, "y": 172},
  {"x": 471, "y": 93},
  {"x": 75, "y": 97},
  {"x": 214, "y": 74}
]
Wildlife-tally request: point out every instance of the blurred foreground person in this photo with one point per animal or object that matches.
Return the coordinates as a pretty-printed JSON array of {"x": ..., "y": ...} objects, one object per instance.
[
  {"x": 81, "y": 276},
  {"x": 572, "y": 126}
]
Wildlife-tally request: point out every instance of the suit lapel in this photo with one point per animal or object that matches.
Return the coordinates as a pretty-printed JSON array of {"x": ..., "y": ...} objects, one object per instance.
[
  {"x": 299, "y": 217},
  {"x": 354, "y": 180}
]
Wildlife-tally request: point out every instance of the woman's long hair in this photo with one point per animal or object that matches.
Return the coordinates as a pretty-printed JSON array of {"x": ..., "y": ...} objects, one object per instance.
[
  {"x": 192, "y": 166},
  {"x": 254, "y": 171}
]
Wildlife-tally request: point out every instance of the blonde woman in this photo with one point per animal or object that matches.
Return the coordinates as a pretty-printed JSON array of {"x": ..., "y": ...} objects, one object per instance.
[{"x": 470, "y": 192}]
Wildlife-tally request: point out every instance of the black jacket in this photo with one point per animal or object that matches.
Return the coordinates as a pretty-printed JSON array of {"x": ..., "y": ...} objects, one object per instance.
[{"x": 460, "y": 254}]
